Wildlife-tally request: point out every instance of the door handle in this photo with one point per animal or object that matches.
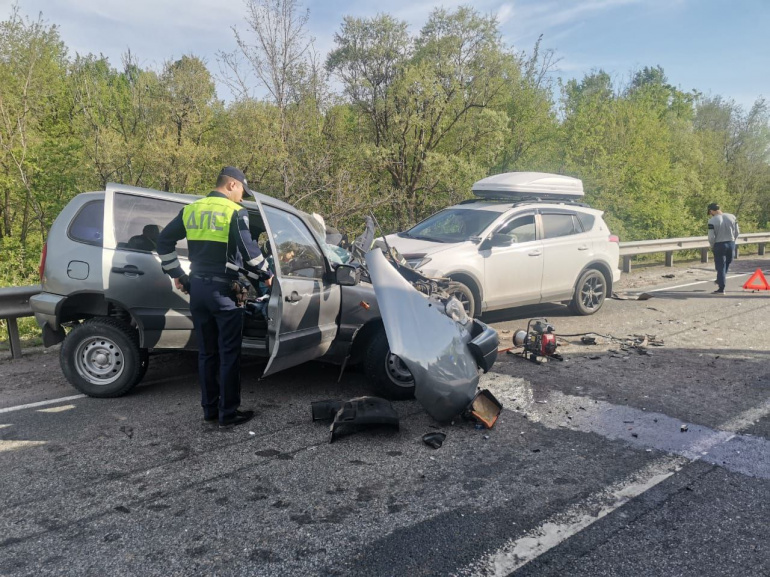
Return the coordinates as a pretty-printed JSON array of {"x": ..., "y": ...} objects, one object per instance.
[
  {"x": 294, "y": 297},
  {"x": 584, "y": 247},
  {"x": 128, "y": 269},
  {"x": 535, "y": 253}
]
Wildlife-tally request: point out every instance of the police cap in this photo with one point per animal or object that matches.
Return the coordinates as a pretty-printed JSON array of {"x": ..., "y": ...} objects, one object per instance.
[{"x": 238, "y": 175}]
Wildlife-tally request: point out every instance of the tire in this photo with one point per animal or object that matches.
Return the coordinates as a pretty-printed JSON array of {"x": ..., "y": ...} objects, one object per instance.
[
  {"x": 391, "y": 379},
  {"x": 590, "y": 293},
  {"x": 465, "y": 295},
  {"x": 101, "y": 358}
]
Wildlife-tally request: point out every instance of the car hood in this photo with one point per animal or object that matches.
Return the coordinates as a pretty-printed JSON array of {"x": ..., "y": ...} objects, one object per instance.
[
  {"x": 433, "y": 346},
  {"x": 408, "y": 246}
]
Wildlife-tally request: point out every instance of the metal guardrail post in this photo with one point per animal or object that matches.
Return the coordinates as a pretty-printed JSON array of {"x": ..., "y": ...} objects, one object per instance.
[
  {"x": 14, "y": 304},
  {"x": 761, "y": 249},
  {"x": 704, "y": 255},
  {"x": 627, "y": 263},
  {"x": 670, "y": 258},
  {"x": 13, "y": 338}
]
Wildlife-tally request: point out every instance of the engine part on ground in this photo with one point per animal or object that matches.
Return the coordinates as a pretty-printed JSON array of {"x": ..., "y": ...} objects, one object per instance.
[
  {"x": 434, "y": 440},
  {"x": 355, "y": 414},
  {"x": 485, "y": 408},
  {"x": 538, "y": 341}
]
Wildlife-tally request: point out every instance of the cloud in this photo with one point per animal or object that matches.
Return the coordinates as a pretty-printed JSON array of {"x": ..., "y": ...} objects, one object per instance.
[{"x": 504, "y": 13}]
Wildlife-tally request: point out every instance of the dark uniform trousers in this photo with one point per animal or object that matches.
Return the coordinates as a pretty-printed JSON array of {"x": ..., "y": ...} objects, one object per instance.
[
  {"x": 218, "y": 327},
  {"x": 723, "y": 256}
]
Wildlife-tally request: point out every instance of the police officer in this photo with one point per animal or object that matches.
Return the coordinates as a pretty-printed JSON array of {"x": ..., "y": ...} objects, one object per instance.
[
  {"x": 723, "y": 232},
  {"x": 219, "y": 243}
]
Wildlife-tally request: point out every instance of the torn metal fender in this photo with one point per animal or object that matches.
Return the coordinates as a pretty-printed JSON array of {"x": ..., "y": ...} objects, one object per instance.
[{"x": 433, "y": 346}]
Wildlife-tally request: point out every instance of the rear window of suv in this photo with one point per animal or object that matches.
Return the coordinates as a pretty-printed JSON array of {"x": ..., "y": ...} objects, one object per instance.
[{"x": 88, "y": 224}]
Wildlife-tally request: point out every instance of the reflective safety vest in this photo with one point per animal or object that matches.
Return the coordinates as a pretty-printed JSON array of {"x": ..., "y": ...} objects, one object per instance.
[{"x": 208, "y": 219}]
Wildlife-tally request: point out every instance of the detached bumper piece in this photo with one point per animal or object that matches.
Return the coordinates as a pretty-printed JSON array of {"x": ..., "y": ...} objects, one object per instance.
[
  {"x": 355, "y": 414},
  {"x": 484, "y": 345}
]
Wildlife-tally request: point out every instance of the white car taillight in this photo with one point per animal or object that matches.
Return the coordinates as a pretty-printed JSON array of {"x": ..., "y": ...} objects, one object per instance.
[{"x": 614, "y": 238}]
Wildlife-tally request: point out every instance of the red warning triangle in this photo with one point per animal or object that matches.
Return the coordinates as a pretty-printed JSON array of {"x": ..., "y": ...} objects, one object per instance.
[{"x": 757, "y": 282}]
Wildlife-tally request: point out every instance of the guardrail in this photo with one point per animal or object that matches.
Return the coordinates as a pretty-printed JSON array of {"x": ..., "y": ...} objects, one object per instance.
[
  {"x": 669, "y": 246},
  {"x": 14, "y": 304}
]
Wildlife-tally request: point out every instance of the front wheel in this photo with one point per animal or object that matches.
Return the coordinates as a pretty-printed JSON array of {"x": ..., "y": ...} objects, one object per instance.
[
  {"x": 388, "y": 373},
  {"x": 465, "y": 295},
  {"x": 101, "y": 358},
  {"x": 590, "y": 292}
]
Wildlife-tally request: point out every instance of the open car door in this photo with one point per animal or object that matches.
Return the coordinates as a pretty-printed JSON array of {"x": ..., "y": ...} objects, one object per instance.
[{"x": 304, "y": 300}]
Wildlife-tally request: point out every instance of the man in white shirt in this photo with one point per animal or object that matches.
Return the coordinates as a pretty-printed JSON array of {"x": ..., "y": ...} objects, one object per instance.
[{"x": 723, "y": 232}]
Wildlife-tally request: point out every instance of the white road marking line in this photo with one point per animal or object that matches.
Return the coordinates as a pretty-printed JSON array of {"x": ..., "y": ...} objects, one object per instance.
[
  {"x": 668, "y": 288},
  {"x": 57, "y": 409},
  {"x": 13, "y": 445},
  {"x": 4, "y": 426},
  {"x": 561, "y": 526},
  {"x": 40, "y": 404}
]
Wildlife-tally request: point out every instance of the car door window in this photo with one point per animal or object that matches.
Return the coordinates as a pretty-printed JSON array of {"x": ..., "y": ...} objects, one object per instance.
[
  {"x": 295, "y": 250},
  {"x": 557, "y": 225},
  {"x": 139, "y": 220},
  {"x": 520, "y": 229}
]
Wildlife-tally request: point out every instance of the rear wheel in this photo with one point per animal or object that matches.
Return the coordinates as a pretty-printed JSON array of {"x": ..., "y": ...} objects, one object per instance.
[
  {"x": 102, "y": 358},
  {"x": 590, "y": 292},
  {"x": 388, "y": 373}
]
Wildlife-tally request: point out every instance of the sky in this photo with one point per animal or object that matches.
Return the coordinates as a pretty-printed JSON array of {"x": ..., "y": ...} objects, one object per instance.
[{"x": 719, "y": 47}]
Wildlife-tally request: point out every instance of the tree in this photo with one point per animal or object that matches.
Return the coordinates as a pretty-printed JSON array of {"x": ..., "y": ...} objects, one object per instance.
[
  {"x": 32, "y": 74},
  {"x": 429, "y": 101}
]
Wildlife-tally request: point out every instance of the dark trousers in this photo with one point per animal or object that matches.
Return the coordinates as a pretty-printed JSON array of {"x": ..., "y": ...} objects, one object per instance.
[
  {"x": 218, "y": 328},
  {"x": 723, "y": 256}
]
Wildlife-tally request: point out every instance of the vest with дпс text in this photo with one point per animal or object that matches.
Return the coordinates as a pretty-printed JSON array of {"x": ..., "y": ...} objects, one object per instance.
[{"x": 208, "y": 219}]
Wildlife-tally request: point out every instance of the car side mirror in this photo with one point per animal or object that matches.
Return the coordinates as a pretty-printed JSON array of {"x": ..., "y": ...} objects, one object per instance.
[
  {"x": 498, "y": 239},
  {"x": 347, "y": 275}
]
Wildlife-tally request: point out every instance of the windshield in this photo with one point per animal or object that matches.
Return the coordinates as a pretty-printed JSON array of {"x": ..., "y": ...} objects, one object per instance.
[
  {"x": 335, "y": 254},
  {"x": 452, "y": 225}
]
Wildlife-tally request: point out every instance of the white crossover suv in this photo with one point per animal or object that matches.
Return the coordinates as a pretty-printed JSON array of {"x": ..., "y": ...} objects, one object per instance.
[{"x": 525, "y": 239}]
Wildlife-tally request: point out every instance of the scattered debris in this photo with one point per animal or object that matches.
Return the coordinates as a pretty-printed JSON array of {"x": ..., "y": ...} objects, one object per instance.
[
  {"x": 586, "y": 340},
  {"x": 535, "y": 450},
  {"x": 683, "y": 429},
  {"x": 670, "y": 275},
  {"x": 635, "y": 435},
  {"x": 485, "y": 408},
  {"x": 627, "y": 297},
  {"x": 486, "y": 437},
  {"x": 434, "y": 440},
  {"x": 355, "y": 414}
]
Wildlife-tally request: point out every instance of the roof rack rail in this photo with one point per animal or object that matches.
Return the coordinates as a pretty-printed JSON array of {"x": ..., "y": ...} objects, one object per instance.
[{"x": 529, "y": 200}]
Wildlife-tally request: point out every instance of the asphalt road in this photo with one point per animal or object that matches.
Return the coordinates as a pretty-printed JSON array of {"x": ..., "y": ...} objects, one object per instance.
[{"x": 586, "y": 473}]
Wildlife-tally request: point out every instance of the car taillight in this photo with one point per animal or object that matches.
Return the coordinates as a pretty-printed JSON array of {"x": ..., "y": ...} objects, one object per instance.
[
  {"x": 41, "y": 268},
  {"x": 614, "y": 238}
]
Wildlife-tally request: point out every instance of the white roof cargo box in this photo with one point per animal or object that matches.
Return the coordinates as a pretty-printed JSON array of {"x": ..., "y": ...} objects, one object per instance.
[{"x": 513, "y": 185}]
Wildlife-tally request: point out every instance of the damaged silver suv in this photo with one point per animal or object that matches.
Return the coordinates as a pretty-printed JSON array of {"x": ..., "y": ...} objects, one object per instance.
[{"x": 106, "y": 299}]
